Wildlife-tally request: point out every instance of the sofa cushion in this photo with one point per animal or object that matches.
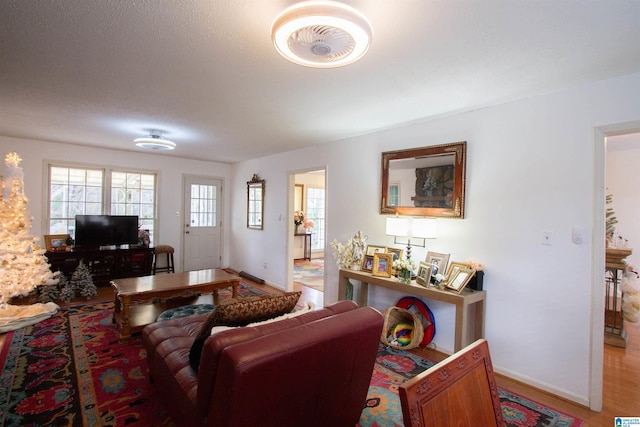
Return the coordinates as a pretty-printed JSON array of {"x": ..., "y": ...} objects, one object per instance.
[{"x": 241, "y": 312}]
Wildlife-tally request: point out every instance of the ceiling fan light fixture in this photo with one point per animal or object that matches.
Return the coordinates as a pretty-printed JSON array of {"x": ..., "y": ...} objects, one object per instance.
[
  {"x": 321, "y": 34},
  {"x": 155, "y": 142}
]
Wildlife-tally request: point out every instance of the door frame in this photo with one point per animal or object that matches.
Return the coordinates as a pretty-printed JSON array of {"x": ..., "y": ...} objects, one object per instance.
[
  {"x": 289, "y": 229},
  {"x": 600, "y": 135}
]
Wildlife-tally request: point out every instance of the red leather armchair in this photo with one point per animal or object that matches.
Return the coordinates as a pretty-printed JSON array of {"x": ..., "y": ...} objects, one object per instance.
[{"x": 309, "y": 370}]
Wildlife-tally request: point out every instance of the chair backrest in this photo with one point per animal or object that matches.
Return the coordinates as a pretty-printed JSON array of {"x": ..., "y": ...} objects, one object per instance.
[{"x": 461, "y": 390}]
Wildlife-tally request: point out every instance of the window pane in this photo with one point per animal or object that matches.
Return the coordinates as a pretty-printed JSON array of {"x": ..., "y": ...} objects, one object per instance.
[
  {"x": 315, "y": 213},
  {"x": 203, "y": 200},
  {"x": 72, "y": 191}
]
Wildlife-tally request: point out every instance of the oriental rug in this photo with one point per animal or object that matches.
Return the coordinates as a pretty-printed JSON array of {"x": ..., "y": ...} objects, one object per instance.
[
  {"x": 309, "y": 273},
  {"x": 71, "y": 370},
  {"x": 394, "y": 367}
]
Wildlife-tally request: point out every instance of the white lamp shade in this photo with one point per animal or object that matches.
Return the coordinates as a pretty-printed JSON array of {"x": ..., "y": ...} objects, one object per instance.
[
  {"x": 398, "y": 226},
  {"x": 425, "y": 228}
]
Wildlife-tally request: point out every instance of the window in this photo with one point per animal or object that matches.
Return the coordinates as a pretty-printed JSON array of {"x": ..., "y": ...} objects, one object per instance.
[
  {"x": 134, "y": 193},
  {"x": 73, "y": 191},
  {"x": 86, "y": 190},
  {"x": 315, "y": 213},
  {"x": 203, "y": 205},
  {"x": 394, "y": 194}
]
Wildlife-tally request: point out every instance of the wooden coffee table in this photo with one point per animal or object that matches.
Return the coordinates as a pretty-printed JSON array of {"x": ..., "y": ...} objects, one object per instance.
[{"x": 133, "y": 295}]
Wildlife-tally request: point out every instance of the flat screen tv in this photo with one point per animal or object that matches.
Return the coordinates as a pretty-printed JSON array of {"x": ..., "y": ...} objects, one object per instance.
[{"x": 94, "y": 231}]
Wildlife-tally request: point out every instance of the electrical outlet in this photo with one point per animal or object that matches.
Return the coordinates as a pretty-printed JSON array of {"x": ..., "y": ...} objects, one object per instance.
[{"x": 264, "y": 265}]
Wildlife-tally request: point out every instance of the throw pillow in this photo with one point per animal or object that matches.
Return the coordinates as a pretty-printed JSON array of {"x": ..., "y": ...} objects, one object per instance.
[{"x": 240, "y": 312}]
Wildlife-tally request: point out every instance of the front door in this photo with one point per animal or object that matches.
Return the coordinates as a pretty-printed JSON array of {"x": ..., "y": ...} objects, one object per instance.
[{"x": 201, "y": 228}]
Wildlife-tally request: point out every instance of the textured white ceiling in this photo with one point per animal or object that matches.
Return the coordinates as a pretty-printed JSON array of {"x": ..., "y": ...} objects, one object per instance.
[{"x": 205, "y": 72}]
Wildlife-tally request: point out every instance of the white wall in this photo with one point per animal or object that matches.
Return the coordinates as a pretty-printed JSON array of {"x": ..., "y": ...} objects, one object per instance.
[
  {"x": 623, "y": 182},
  {"x": 170, "y": 170},
  {"x": 530, "y": 168}
]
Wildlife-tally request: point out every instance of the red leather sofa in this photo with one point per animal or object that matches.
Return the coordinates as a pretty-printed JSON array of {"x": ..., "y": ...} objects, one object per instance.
[{"x": 309, "y": 370}]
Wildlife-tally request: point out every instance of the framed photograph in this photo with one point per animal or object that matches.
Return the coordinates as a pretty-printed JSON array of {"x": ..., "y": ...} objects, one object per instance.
[
  {"x": 374, "y": 249},
  {"x": 397, "y": 253},
  {"x": 460, "y": 279},
  {"x": 453, "y": 269},
  {"x": 424, "y": 274},
  {"x": 56, "y": 242},
  {"x": 382, "y": 264},
  {"x": 438, "y": 262},
  {"x": 367, "y": 263}
]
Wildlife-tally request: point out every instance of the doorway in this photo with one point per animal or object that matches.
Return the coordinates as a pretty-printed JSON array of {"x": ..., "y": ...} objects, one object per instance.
[
  {"x": 307, "y": 241},
  {"x": 201, "y": 226},
  {"x": 598, "y": 251}
]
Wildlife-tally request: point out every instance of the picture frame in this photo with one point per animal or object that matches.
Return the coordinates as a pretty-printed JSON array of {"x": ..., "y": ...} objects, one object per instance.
[
  {"x": 367, "y": 263},
  {"x": 424, "y": 274},
  {"x": 438, "y": 262},
  {"x": 453, "y": 269},
  {"x": 56, "y": 242},
  {"x": 382, "y": 264},
  {"x": 460, "y": 279},
  {"x": 397, "y": 253},
  {"x": 373, "y": 249}
]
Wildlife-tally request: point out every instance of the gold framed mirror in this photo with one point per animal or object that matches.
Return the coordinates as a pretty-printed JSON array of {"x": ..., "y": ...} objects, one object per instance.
[
  {"x": 425, "y": 181},
  {"x": 255, "y": 203}
]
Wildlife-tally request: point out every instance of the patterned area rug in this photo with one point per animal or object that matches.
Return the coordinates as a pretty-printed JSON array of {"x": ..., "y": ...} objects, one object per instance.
[
  {"x": 71, "y": 370},
  {"x": 394, "y": 367},
  {"x": 309, "y": 273}
]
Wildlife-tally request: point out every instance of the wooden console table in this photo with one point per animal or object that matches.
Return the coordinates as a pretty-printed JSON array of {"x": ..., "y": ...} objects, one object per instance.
[
  {"x": 462, "y": 301},
  {"x": 614, "y": 333},
  {"x": 307, "y": 245}
]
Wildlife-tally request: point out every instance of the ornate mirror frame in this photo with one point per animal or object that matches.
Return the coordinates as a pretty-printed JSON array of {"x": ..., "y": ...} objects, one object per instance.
[
  {"x": 255, "y": 203},
  {"x": 426, "y": 181}
]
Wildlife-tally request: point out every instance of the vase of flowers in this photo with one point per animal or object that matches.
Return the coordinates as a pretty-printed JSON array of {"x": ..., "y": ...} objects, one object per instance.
[
  {"x": 404, "y": 268},
  {"x": 298, "y": 219},
  {"x": 308, "y": 225}
]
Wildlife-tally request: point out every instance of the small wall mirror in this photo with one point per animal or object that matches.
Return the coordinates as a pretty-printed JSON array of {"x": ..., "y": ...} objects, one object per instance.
[
  {"x": 425, "y": 181},
  {"x": 255, "y": 203}
]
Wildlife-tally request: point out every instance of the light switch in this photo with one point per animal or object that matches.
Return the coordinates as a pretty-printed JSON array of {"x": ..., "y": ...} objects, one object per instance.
[
  {"x": 577, "y": 235},
  {"x": 547, "y": 237}
]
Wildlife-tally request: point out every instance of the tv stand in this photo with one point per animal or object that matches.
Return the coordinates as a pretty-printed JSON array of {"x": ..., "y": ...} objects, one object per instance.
[{"x": 104, "y": 264}]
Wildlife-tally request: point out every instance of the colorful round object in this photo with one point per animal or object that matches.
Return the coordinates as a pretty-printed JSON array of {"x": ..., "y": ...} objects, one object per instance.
[{"x": 403, "y": 333}]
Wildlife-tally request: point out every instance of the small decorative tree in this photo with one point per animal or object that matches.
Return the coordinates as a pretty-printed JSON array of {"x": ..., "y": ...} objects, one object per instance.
[
  {"x": 50, "y": 293},
  {"x": 82, "y": 282},
  {"x": 610, "y": 217},
  {"x": 67, "y": 292}
]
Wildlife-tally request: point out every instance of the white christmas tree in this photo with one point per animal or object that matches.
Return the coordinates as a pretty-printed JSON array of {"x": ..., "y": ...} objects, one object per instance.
[{"x": 23, "y": 265}]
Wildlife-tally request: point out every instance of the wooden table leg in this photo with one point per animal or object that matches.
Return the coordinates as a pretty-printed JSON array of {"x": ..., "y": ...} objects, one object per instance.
[
  {"x": 461, "y": 327},
  {"x": 125, "y": 322},
  {"x": 234, "y": 290}
]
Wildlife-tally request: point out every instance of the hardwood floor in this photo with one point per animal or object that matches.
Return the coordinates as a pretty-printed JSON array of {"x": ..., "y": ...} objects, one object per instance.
[{"x": 621, "y": 380}]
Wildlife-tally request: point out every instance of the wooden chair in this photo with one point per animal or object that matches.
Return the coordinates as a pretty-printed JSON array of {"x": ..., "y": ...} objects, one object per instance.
[{"x": 459, "y": 391}]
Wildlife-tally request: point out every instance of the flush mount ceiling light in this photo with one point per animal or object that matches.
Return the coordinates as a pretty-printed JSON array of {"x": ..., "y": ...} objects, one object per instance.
[
  {"x": 155, "y": 142},
  {"x": 321, "y": 34}
]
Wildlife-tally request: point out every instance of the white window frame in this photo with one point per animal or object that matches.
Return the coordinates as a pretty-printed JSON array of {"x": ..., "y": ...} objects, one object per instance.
[{"x": 106, "y": 205}]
